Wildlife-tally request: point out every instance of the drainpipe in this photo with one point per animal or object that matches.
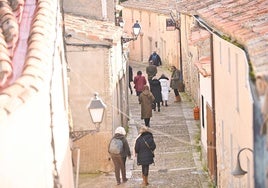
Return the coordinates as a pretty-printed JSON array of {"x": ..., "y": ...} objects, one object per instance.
[
  {"x": 213, "y": 102},
  {"x": 181, "y": 68},
  {"x": 180, "y": 37}
]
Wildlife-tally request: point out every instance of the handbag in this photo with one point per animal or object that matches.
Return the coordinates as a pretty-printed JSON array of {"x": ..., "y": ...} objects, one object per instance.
[{"x": 148, "y": 146}]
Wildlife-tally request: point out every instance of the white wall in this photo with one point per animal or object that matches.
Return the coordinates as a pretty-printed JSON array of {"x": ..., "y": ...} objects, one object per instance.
[
  {"x": 234, "y": 112},
  {"x": 205, "y": 91}
]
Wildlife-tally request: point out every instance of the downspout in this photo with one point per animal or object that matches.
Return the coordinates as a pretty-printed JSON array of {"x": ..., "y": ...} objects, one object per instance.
[
  {"x": 179, "y": 29},
  {"x": 181, "y": 68},
  {"x": 213, "y": 103}
]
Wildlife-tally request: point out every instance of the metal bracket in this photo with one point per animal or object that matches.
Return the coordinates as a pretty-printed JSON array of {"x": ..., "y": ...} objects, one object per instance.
[
  {"x": 76, "y": 135},
  {"x": 127, "y": 39}
]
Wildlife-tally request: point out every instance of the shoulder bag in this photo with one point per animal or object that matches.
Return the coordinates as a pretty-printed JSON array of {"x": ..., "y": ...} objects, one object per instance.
[{"x": 148, "y": 146}]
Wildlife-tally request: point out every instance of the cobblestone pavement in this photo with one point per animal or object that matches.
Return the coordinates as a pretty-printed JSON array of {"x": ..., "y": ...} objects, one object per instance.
[{"x": 177, "y": 160}]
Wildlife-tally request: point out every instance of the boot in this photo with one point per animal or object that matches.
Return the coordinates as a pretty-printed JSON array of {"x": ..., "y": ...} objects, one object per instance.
[
  {"x": 145, "y": 181},
  {"x": 166, "y": 103},
  {"x": 178, "y": 98}
]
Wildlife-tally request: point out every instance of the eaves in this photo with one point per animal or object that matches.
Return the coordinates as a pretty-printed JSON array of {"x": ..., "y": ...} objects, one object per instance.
[
  {"x": 160, "y": 7},
  {"x": 244, "y": 23},
  {"x": 85, "y": 31}
]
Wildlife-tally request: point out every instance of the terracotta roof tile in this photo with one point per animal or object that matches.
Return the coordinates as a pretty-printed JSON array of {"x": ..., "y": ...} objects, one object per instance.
[
  {"x": 13, "y": 91},
  {"x": 39, "y": 22},
  {"x": 12, "y": 104},
  {"x": 159, "y": 6},
  {"x": 94, "y": 30},
  {"x": 244, "y": 21},
  {"x": 28, "y": 81},
  {"x": 198, "y": 35},
  {"x": 3, "y": 99},
  {"x": 204, "y": 66},
  {"x": 3, "y": 113},
  {"x": 27, "y": 94}
]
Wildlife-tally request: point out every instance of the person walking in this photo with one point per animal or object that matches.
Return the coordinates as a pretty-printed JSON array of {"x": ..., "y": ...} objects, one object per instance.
[
  {"x": 119, "y": 151},
  {"x": 144, "y": 151},
  {"x": 164, "y": 82},
  {"x": 155, "y": 58},
  {"x": 174, "y": 82},
  {"x": 151, "y": 70},
  {"x": 155, "y": 87},
  {"x": 146, "y": 100},
  {"x": 139, "y": 82},
  {"x": 130, "y": 79}
]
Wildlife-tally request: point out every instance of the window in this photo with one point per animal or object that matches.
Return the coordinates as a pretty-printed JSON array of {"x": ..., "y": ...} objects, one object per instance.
[
  {"x": 149, "y": 19},
  {"x": 220, "y": 53},
  {"x": 237, "y": 82},
  {"x": 229, "y": 60}
]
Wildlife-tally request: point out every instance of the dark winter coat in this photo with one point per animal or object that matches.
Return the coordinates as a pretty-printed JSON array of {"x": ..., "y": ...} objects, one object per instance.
[
  {"x": 126, "y": 150},
  {"x": 156, "y": 59},
  {"x": 130, "y": 74},
  {"x": 146, "y": 99},
  {"x": 151, "y": 71},
  {"x": 155, "y": 87},
  {"x": 175, "y": 79},
  {"x": 144, "y": 154}
]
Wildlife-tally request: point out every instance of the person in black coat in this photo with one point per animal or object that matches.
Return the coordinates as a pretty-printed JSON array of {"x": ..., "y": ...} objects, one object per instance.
[
  {"x": 130, "y": 74},
  {"x": 155, "y": 87},
  {"x": 144, "y": 150},
  {"x": 155, "y": 58}
]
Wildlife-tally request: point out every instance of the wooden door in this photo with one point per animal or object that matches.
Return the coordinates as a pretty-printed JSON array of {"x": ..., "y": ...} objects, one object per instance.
[{"x": 211, "y": 144}]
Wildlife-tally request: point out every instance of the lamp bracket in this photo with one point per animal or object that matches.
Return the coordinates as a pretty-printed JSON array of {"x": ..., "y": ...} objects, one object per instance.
[
  {"x": 127, "y": 39},
  {"x": 76, "y": 135}
]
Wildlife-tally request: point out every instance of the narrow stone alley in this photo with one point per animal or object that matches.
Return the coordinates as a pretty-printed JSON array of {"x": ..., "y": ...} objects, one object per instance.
[{"x": 177, "y": 157}]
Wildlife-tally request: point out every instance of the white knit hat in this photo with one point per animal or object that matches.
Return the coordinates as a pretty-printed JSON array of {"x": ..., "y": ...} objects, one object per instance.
[{"x": 120, "y": 130}]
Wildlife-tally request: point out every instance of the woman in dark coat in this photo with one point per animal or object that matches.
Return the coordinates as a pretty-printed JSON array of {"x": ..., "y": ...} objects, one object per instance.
[
  {"x": 155, "y": 87},
  {"x": 146, "y": 99},
  {"x": 144, "y": 150}
]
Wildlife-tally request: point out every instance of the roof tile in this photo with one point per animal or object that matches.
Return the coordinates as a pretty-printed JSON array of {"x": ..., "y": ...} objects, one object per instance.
[{"x": 244, "y": 21}]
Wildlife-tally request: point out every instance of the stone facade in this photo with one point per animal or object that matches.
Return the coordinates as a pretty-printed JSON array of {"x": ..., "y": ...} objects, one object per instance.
[
  {"x": 96, "y": 64},
  {"x": 154, "y": 35}
]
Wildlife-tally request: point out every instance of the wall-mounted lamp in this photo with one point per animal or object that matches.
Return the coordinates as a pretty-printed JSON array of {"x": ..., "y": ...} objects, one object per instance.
[
  {"x": 121, "y": 22},
  {"x": 136, "y": 31},
  {"x": 96, "y": 110},
  {"x": 238, "y": 171}
]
